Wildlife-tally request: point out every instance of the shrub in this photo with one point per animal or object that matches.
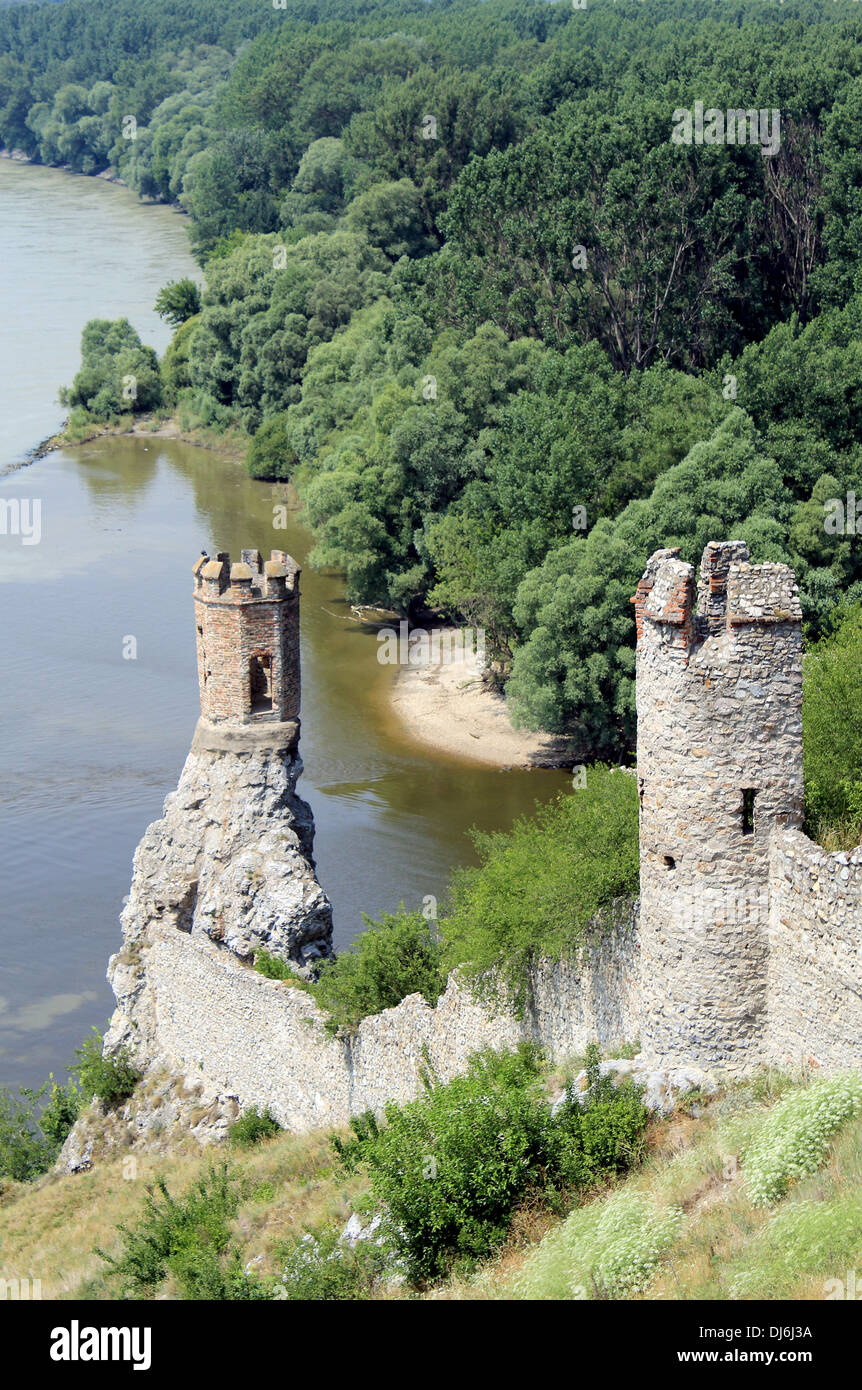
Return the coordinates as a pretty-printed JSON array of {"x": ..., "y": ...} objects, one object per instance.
[
  {"x": 793, "y": 1141},
  {"x": 252, "y": 1127},
  {"x": 395, "y": 956},
  {"x": 188, "y": 1237},
  {"x": 63, "y": 1107},
  {"x": 323, "y": 1268},
  {"x": 274, "y": 968},
  {"x": 30, "y": 1138},
  {"x": 609, "y": 1249},
  {"x": 197, "y": 409},
  {"x": 25, "y": 1153},
  {"x": 111, "y": 1079},
  {"x": 449, "y": 1168},
  {"x": 270, "y": 454},
  {"x": 539, "y": 885}
]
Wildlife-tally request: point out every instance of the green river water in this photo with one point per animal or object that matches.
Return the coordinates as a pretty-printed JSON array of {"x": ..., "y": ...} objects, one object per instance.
[{"x": 92, "y": 742}]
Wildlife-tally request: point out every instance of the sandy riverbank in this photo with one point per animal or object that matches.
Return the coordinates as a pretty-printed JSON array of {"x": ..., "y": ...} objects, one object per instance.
[
  {"x": 444, "y": 705},
  {"x": 448, "y": 707}
]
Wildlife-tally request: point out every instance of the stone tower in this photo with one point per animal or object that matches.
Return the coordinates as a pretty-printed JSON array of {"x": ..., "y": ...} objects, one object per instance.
[
  {"x": 719, "y": 707},
  {"x": 228, "y": 871},
  {"x": 247, "y": 618}
]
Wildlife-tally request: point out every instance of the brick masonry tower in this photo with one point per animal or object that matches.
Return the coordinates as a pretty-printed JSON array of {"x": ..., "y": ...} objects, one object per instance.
[
  {"x": 247, "y": 619},
  {"x": 719, "y": 706}
]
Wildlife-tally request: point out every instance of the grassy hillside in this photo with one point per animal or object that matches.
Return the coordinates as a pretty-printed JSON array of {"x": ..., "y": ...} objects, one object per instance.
[{"x": 720, "y": 1207}]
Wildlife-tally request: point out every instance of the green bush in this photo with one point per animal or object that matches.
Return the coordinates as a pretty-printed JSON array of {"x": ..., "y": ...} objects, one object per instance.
[
  {"x": 270, "y": 454},
  {"x": 188, "y": 1237},
  {"x": 395, "y": 956},
  {"x": 450, "y": 1168},
  {"x": 832, "y": 734},
  {"x": 253, "y": 1127},
  {"x": 321, "y": 1267},
  {"x": 25, "y": 1152},
  {"x": 274, "y": 968},
  {"x": 118, "y": 374},
  {"x": 539, "y": 885},
  {"x": 111, "y": 1079},
  {"x": 62, "y": 1109},
  {"x": 30, "y": 1136}
]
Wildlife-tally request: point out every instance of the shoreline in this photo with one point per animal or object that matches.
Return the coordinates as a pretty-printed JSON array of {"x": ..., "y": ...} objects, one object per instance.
[
  {"x": 447, "y": 706},
  {"x": 143, "y": 427}
]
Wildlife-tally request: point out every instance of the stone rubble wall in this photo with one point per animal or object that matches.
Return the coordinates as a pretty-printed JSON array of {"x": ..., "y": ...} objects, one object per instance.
[
  {"x": 218, "y": 1022},
  {"x": 814, "y": 985}
]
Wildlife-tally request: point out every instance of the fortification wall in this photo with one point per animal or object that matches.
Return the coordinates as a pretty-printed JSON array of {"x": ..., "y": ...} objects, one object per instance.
[
  {"x": 745, "y": 948},
  {"x": 814, "y": 984},
  {"x": 719, "y": 695},
  {"x": 218, "y": 1022}
]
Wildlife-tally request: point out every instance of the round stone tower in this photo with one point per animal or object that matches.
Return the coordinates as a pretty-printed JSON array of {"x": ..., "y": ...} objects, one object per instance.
[
  {"x": 719, "y": 707},
  {"x": 247, "y": 618}
]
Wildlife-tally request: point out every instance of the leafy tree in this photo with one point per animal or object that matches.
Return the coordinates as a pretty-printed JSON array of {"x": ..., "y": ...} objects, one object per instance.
[
  {"x": 175, "y": 366},
  {"x": 579, "y": 852},
  {"x": 118, "y": 374},
  {"x": 832, "y": 732},
  {"x": 270, "y": 454},
  {"x": 178, "y": 301},
  {"x": 575, "y": 668},
  {"x": 389, "y": 215},
  {"x": 623, "y": 237}
]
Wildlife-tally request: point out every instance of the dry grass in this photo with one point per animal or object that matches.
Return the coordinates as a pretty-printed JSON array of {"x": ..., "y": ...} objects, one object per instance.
[{"x": 50, "y": 1230}]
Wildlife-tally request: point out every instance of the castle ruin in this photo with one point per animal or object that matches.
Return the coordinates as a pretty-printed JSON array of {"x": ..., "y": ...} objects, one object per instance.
[
  {"x": 743, "y": 951},
  {"x": 248, "y": 648},
  {"x": 719, "y": 765}
]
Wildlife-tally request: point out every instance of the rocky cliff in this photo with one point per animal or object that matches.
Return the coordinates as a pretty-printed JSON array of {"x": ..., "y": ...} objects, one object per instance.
[{"x": 230, "y": 862}]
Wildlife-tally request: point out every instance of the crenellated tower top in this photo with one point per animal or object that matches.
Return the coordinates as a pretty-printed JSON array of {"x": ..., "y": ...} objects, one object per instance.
[{"x": 247, "y": 617}]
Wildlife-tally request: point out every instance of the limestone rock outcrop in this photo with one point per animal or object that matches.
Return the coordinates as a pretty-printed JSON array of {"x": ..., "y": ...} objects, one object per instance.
[{"x": 231, "y": 861}]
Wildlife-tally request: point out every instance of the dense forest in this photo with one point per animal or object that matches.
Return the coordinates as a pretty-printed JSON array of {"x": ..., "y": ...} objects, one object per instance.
[{"x": 463, "y": 288}]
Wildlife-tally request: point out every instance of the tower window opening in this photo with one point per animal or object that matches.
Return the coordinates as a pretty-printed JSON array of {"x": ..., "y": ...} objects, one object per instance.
[
  {"x": 260, "y": 674},
  {"x": 669, "y": 861},
  {"x": 640, "y": 791},
  {"x": 748, "y": 795}
]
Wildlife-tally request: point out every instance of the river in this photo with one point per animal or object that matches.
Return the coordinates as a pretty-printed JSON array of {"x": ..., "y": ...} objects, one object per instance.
[{"x": 93, "y": 741}]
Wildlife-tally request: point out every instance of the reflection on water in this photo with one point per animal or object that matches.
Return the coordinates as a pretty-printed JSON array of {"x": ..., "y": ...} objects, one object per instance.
[
  {"x": 94, "y": 742},
  {"x": 91, "y": 742}
]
